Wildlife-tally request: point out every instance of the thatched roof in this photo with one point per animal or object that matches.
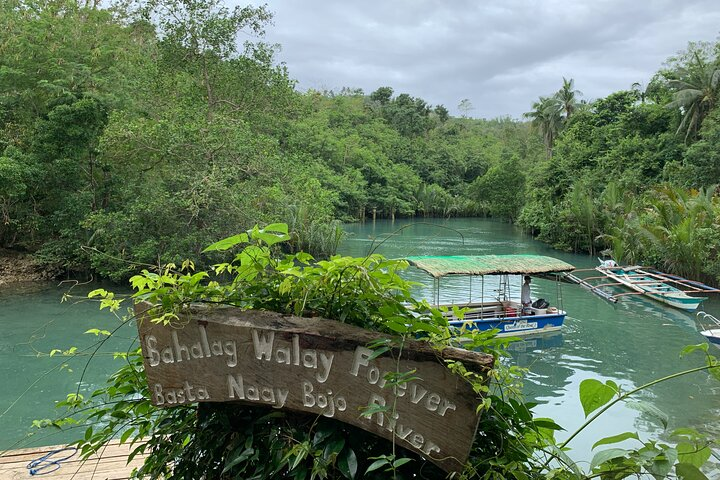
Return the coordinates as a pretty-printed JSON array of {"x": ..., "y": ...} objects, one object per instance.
[{"x": 439, "y": 266}]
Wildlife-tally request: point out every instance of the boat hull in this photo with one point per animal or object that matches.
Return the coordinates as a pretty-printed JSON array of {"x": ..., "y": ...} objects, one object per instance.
[
  {"x": 683, "y": 303},
  {"x": 515, "y": 326},
  {"x": 652, "y": 287},
  {"x": 713, "y": 336}
]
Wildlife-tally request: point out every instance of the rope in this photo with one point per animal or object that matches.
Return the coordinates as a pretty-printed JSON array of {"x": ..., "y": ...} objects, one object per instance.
[{"x": 45, "y": 464}]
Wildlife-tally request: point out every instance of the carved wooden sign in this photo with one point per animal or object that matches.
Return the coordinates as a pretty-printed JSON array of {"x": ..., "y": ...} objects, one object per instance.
[{"x": 317, "y": 366}]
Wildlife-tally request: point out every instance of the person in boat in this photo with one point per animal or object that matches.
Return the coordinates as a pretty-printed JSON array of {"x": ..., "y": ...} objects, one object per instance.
[{"x": 525, "y": 299}]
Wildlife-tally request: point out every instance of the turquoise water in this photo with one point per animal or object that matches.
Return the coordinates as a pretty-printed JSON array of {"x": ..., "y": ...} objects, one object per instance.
[
  {"x": 34, "y": 322},
  {"x": 632, "y": 342}
]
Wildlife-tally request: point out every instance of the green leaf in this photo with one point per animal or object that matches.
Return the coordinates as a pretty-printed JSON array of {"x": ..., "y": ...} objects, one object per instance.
[
  {"x": 371, "y": 410},
  {"x": 97, "y": 331},
  {"x": 606, "y": 455},
  {"x": 266, "y": 235},
  {"x": 691, "y": 348},
  {"x": 685, "y": 471},
  {"x": 566, "y": 460},
  {"x": 276, "y": 227},
  {"x": 377, "y": 464},
  {"x": 126, "y": 434},
  {"x": 693, "y": 454},
  {"x": 347, "y": 463},
  {"x": 547, "y": 423},
  {"x": 663, "y": 463},
  {"x": 401, "y": 461},
  {"x": 243, "y": 456},
  {"x": 424, "y": 327},
  {"x": 322, "y": 434},
  {"x": 594, "y": 394},
  {"x": 686, "y": 432},
  {"x": 333, "y": 447},
  {"x": 649, "y": 409},
  {"x": 616, "y": 439},
  {"x": 520, "y": 475},
  {"x": 227, "y": 243}
]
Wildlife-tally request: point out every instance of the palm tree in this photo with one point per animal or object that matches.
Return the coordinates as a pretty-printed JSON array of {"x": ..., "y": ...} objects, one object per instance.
[
  {"x": 696, "y": 91},
  {"x": 673, "y": 229},
  {"x": 567, "y": 96},
  {"x": 546, "y": 117},
  {"x": 639, "y": 90}
]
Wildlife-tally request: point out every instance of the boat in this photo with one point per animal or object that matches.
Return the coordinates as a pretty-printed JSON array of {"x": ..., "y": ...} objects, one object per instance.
[
  {"x": 712, "y": 332},
  {"x": 656, "y": 285},
  {"x": 499, "y": 311}
]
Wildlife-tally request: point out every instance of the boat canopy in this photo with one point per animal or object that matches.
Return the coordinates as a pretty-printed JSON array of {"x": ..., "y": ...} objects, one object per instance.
[{"x": 440, "y": 266}]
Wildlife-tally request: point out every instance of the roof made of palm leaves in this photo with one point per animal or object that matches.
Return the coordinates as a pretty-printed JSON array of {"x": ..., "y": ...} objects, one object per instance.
[{"x": 439, "y": 266}]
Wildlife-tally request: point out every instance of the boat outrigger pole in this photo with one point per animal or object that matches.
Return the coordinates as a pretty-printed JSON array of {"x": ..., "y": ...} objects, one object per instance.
[{"x": 570, "y": 278}]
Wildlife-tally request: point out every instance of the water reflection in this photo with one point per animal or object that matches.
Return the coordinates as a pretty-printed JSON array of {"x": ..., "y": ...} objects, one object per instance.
[{"x": 536, "y": 343}]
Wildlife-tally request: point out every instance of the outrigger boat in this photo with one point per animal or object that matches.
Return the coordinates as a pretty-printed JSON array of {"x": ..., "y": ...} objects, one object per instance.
[
  {"x": 713, "y": 332},
  {"x": 662, "y": 287},
  {"x": 499, "y": 312}
]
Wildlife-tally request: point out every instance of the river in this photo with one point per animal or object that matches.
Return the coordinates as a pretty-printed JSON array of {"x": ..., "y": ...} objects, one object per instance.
[{"x": 632, "y": 342}]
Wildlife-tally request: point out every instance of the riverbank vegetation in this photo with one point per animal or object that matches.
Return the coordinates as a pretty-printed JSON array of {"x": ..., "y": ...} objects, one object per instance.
[{"x": 136, "y": 134}]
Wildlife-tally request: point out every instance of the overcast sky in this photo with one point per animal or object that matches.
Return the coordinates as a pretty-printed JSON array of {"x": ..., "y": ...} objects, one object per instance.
[{"x": 500, "y": 54}]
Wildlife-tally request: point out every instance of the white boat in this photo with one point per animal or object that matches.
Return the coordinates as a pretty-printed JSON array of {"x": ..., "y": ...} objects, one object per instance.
[
  {"x": 656, "y": 285},
  {"x": 712, "y": 333},
  {"x": 501, "y": 312}
]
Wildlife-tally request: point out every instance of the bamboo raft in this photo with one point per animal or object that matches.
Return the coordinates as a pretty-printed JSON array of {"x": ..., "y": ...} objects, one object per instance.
[{"x": 110, "y": 463}]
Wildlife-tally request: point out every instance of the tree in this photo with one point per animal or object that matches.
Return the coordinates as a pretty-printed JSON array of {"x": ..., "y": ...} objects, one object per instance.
[
  {"x": 567, "y": 96},
  {"x": 696, "y": 86},
  {"x": 547, "y": 119},
  {"x": 408, "y": 115},
  {"x": 198, "y": 34},
  {"x": 612, "y": 108},
  {"x": 465, "y": 106},
  {"x": 382, "y": 95},
  {"x": 502, "y": 189},
  {"x": 701, "y": 163},
  {"x": 442, "y": 113},
  {"x": 640, "y": 91}
]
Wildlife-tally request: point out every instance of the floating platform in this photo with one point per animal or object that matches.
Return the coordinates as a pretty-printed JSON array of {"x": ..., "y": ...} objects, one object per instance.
[{"x": 110, "y": 463}]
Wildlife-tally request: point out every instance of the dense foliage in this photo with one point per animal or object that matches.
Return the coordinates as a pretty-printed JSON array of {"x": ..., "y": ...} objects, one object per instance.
[
  {"x": 227, "y": 441},
  {"x": 137, "y": 134}
]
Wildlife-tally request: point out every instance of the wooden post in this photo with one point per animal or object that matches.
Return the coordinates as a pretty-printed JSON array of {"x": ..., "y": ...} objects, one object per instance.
[{"x": 318, "y": 366}]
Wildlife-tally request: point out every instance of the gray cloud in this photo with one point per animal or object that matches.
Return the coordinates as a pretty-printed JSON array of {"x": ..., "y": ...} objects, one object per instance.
[{"x": 500, "y": 55}]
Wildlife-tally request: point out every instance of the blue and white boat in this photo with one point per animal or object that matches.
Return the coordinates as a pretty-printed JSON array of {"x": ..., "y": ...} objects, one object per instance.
[
  {"x": 500, "y": 312},
  {"x": 656, "y": 285}
]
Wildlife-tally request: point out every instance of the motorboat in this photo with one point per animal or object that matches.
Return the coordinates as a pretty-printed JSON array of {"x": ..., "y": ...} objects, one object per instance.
[{"x": 496, "y": 309}]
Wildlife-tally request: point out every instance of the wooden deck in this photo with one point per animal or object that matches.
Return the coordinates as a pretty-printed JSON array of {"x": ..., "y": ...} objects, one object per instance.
[{"x": 109, "y": 464}]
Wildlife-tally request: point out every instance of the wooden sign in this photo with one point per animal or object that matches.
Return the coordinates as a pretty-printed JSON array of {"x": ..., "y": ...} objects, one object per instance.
[{"x": 317, "y": 366}]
